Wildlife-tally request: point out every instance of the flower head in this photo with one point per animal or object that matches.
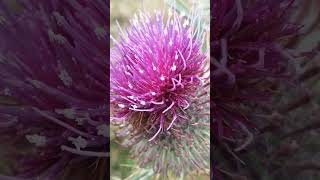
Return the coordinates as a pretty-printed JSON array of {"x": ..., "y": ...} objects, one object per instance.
[{"x": 159, "y": 91}]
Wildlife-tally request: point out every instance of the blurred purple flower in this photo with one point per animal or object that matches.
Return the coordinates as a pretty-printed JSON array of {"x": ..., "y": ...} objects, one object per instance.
[
  {"x": 53, "y": 57},
  {"x": 249, "y": 59}
]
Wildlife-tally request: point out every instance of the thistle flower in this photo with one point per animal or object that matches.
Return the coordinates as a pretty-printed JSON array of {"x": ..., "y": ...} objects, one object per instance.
[
  {"x": 53, "y": 65},
  {"x": 249, "y": 61},
  {"x": 159, "y": 92}
]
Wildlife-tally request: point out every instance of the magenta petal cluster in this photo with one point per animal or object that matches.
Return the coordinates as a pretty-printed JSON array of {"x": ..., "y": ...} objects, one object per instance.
[{"x": 156, "y": 67}]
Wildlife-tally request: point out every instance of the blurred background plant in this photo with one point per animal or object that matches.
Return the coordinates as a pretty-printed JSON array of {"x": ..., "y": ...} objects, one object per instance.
[
  {"x": 56, "y": 47},
  {"x": 286, "y": 145}
]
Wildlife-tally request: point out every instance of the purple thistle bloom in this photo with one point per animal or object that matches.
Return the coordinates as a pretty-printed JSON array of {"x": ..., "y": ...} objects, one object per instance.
[
  {"x": 53, "y": 65},
  {"x": 159, "y": 91},
  {"x": 156, "y": 69}
]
